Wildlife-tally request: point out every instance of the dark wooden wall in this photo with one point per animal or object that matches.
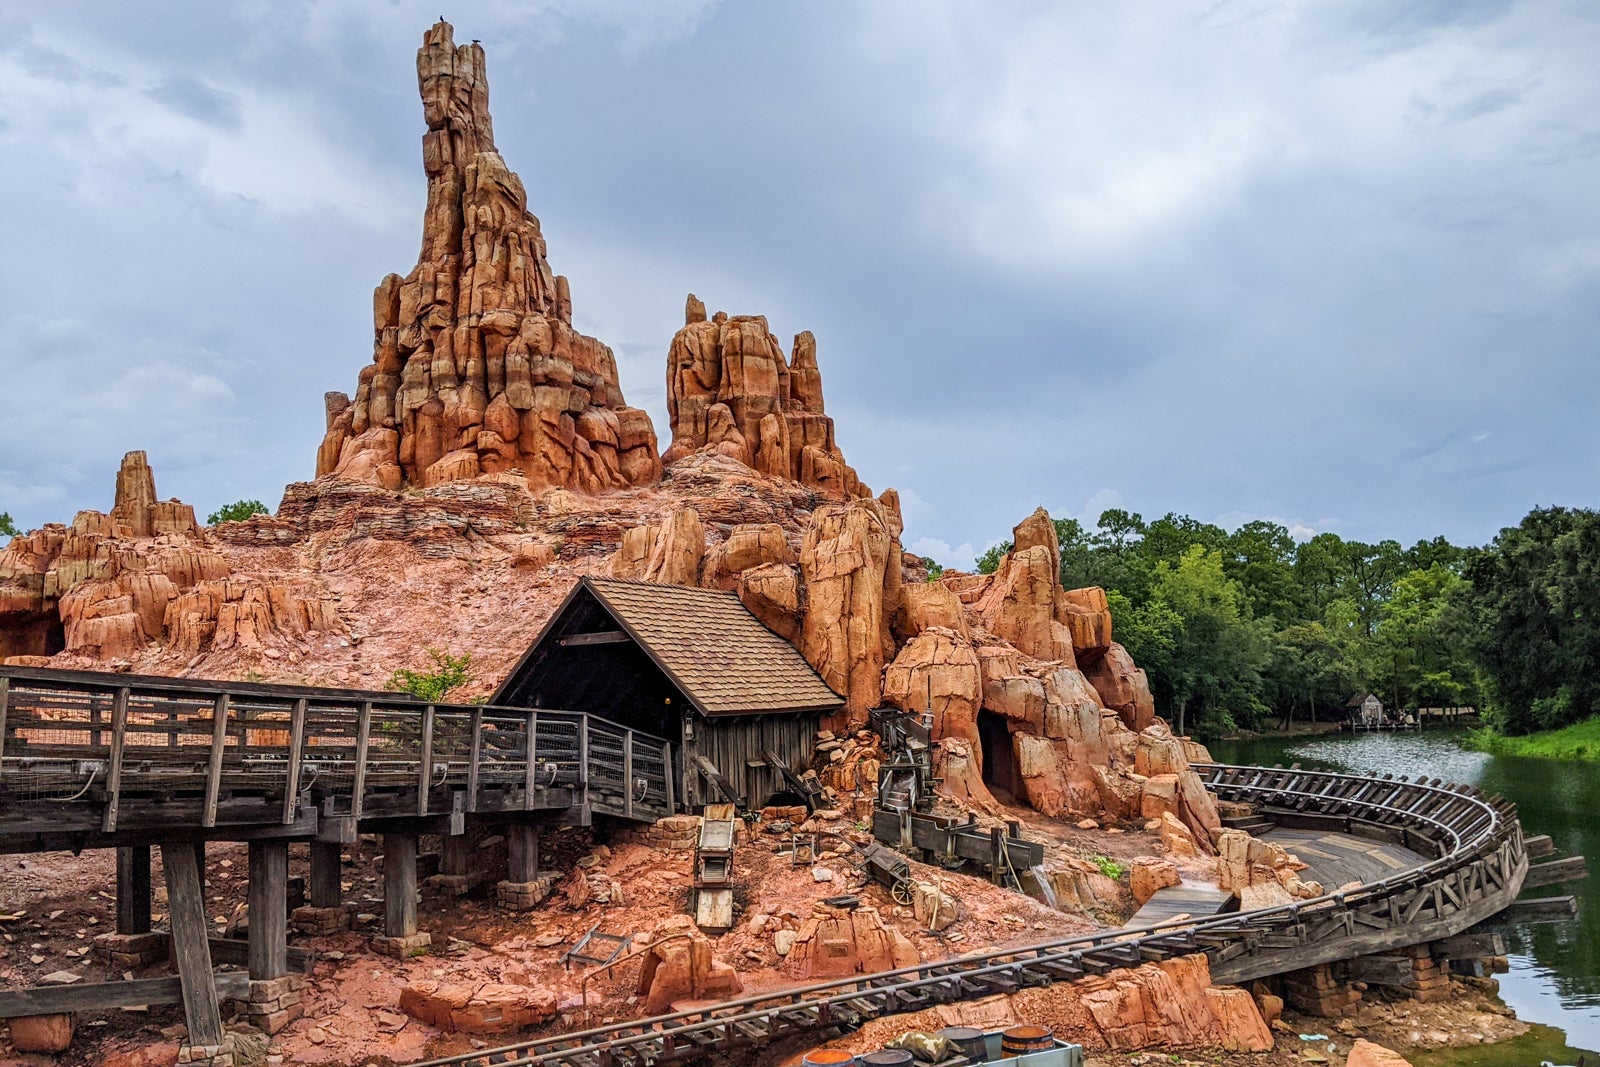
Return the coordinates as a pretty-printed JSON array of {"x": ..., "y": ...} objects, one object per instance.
[{"x": 734, "y": 742}]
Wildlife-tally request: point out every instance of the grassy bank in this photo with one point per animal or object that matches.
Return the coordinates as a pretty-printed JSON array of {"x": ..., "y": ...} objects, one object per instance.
[{"x": 1580, "y": 741}]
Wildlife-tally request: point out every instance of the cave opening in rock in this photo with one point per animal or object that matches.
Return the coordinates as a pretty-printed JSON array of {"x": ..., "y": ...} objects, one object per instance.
[
  {"x": 999, "y": 757},
  {"x": 33, "y": 633}
]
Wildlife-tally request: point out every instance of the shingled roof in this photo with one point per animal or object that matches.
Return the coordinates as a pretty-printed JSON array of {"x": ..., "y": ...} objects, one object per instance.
[{"x": 715, "y": 651}]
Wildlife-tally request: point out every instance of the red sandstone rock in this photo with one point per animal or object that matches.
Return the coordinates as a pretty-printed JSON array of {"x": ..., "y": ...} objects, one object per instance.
[
  {"x": 938, "y": 671},
  {"x": 42, "y": 1033},
  {"x": 1123, "y": 687},
  {"x": 1088, "y": 619},
  {"x": 730, "y": 391},
  {"x": 928, "y": 604},
  {"x": 745, "y": 547},
  {"x": 1148, "y": 874},
  {"x": 680, "y": 966},
  {"x": 1365, "y": 1053},
  {"x": 477, "y": 1008},
  {"x": 476, "y": 366},
  {"x": 1019, "y": 605},
  {"x": 844, "y": 560},
  {"x": 840, "y": 943},
  {"x": 772, "y": 593}
]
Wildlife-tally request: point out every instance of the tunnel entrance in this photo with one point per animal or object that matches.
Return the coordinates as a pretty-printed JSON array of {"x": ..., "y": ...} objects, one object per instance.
[
  {"x": 31, "y": 633},
  {"x": 1000, "y": 772}
]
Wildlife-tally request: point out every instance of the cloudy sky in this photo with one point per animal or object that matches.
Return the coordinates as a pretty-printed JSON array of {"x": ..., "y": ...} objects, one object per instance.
[{"x": 1335, "y": 264}]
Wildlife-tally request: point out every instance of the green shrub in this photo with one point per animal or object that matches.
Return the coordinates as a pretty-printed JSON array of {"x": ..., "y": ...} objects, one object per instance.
[
  {"x": 935, "y": 569},
  {"x": 238, "y": 511},
  {"x": 450, "y": 672},
  {"x": 1108, "y": 867},
  {"x": 989, "y": 562},
  {"x": 7, "y": 527}
]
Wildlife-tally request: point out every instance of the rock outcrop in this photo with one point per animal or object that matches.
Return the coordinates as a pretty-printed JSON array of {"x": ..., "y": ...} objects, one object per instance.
[
  {"x": 730, "y": 391},
  {"x": 835, "y": 942},
  {"x": 477, "y": 368},
  {"x": 845, "y": 561},
  {"x": 680, "y": 966}
]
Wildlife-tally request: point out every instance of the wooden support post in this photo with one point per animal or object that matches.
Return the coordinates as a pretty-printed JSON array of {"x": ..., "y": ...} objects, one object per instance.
[
  {"x": 219, "y": 741},
  {"x": 363, "y": 732},
  {"x": 425, "y": 761},
  {"x": 522, "y": 852},
  {"x": 627, "y": 774},
  {"x": 269, "y": 899},
  {"x": 583, "y": 770},
  {"x": 133, "y": 889},
  {"x": 528, "y": 771},
  {"x": 190, "y": 948},
  {"x": 326, "y": 857},
  {"x": 666, "y": 766},
  {"x": 5, "y": 703},
  {"x": 119, "y": 732},
  {"x": 297, "y": 740},
  {"x": 457, "y": 858},
  {"x": 399, "y": 885},
  {"x": 474, "y": 757},
  {"x": 997, "y": 845}
]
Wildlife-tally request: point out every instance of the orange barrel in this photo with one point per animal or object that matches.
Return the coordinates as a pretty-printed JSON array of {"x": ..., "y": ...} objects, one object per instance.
[
  {"x": 1023, "y": 1039},
  {"x": 829, "y": 1057},
  {"x": 967, "y": 1041},
  {"x": 889, "y": 1057}
]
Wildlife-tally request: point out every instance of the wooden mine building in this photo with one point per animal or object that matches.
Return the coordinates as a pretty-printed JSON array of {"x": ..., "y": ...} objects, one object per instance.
[{"x": 737, "y": 702}]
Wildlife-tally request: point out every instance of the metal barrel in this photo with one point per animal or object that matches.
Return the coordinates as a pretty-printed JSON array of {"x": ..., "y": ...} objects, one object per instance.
[
  {"x": 967, "y": 1041},
  {"x": 828, "y": 1057}
]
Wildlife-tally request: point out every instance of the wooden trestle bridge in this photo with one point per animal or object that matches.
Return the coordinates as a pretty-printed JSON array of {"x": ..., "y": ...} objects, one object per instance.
[{"x": 93, "y": 760}]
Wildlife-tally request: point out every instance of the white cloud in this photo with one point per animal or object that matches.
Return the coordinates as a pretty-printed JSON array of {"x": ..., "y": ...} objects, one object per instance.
[{"x": 960, "y": 557}]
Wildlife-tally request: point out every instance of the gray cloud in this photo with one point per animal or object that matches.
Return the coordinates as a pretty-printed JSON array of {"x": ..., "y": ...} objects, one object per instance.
[{"x": 1230, "y": 259}]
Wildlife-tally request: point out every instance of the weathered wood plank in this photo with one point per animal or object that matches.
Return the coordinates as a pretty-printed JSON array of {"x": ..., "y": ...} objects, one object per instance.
[
  {"x": 425, "y": 760},
  {"x": 190, "y": 949},
  {"x": 1469, "y": 946},
  {"x": 1381, "y": 970},
  {"x": 101, "y": 996},
  {"x": 1555, "y": 872},
  {"x": 268, "y": 896},
  {"x": 297, "y": 740},
  {"x": 5, "y": 703},
  {"x": 219, "y": 741},
  {"x": 399, "y": 884},
  {"x": 133, "y": 889},
  {"x": 474, "y": 758},
  {"x": 606, "y": 637},
  {"x": 119, "y": 724},
  {"x": 326, "y": 858},
  {"x": 358, "y": 789}
]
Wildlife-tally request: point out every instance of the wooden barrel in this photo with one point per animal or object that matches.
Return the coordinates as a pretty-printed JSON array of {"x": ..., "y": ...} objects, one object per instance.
[
  {"x": 889, "y": 1057},
  {"x": 828, "y": 1057},
  {"x": 1022, "y": 1039},
  {"x": 967, "y": 1041}
]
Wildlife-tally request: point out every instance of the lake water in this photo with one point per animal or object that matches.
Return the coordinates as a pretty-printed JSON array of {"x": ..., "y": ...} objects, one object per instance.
[{"x": 1555, "y": 969}]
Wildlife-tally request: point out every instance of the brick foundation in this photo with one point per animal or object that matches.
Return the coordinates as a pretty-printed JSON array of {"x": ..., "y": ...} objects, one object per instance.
[
  {"x": 208, "y": 1055},
  {"x": 320, "y": 922},
  {"x": 675, "y": 833},
  {"x": 402, "y": 947},
  {"x": 1430, "y": 978},
  {"x": 456, "y": 885},
  {"x": 1315, "y": 991},
  {"x": 128, "y": 952},
  {"x": 273, "y": 1003},
  {"x": 524, "y": 896}
]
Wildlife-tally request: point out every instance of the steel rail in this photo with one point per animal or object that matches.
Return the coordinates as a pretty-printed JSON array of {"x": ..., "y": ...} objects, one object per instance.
[{"x": 1461, "y": 825}]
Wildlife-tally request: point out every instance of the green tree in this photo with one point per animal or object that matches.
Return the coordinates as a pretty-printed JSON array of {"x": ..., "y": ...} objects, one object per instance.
[
  {"x": 7, "y": 527},
  {"x": 450, "y": 672},
  {"x": 237, "y": 511},
  {"x": 989, "y": 562},
  {"x": 1534, "y": 607},
  {"x": 1218, "y": 656}
]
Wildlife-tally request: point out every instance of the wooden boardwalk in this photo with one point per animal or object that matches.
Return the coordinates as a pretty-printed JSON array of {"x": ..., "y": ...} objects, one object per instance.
[{"x": 1335, "y": 858}]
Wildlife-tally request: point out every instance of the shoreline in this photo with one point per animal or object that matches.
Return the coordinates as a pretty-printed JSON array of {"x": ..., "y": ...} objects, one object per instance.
[{"x": 1579, "y": 742}]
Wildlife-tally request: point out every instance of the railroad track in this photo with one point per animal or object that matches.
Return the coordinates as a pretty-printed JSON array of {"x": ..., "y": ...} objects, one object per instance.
[{"x": 1477, "y": 866}]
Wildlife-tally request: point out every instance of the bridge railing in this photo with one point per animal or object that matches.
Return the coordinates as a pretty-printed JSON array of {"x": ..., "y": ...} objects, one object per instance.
[{"x": 210, "y": 753}]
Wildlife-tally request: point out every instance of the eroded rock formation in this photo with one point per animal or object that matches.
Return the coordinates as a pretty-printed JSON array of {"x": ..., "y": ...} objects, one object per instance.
[
  {"x": 730, "y": 391},
  {"x": 477, "y": 368}
]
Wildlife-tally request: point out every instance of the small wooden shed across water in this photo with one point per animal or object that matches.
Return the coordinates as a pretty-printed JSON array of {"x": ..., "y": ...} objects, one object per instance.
[{"x": 691, "y": 665}]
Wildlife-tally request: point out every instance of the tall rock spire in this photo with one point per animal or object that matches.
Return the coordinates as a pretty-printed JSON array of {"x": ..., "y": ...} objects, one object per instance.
[{"x": 476, "y": 367}]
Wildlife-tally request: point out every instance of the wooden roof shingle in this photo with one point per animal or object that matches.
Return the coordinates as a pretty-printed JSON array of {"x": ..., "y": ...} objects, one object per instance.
[{"x": 720, "y": 655}]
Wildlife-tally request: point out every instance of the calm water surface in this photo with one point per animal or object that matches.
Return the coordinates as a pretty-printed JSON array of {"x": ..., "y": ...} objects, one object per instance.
[{"x": 1555, "y": 969}]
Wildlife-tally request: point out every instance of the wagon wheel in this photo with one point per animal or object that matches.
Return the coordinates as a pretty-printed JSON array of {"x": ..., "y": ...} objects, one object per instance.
[{"x": 901, "y": 892}]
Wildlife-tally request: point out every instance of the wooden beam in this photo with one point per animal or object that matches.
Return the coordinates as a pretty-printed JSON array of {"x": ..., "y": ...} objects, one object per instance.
[
  {"x": 1469, "y": 946},
  {"x": 190, "y": 948},
  {"x": 358, "y": 789},
  {"x": 219, "y": 743},
  {"x": 399, "y": 885},
  {"x": 99, "y": 996},
  {"x": 326, "y": 860},
  {"x": 5, "y": 703},
  {"x": 234, "y": 952},
  {"x": 666, "y": 764},
  {"x": 474, "y": 757},
  {"x": 1529, "y": 912},
  {"x": 1539, "y": 846},
  {"x": 522, "y": 852},
  {"x": 1382, "y": 970},
  {"x": 133, "y": 889},
  {"x": 119, "y": 730},
  {"x": 605, "y": 637},
  {"x": 268, "y": 894},
  {"x": 1555, "y": 872},
  {"x": 297, "y": 740},
  {"x": 425, "y": 761},
  {"x": 627, "y": 774},
  {"x": 528, "y": 771}
]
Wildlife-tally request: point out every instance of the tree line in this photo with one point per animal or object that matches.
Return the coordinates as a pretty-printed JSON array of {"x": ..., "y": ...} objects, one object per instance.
[{"x": 1250, "y": 628}]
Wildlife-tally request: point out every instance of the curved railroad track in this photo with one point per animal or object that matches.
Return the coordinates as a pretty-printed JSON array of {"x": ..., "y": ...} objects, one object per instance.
[{"x": 1478, "y": 863}]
